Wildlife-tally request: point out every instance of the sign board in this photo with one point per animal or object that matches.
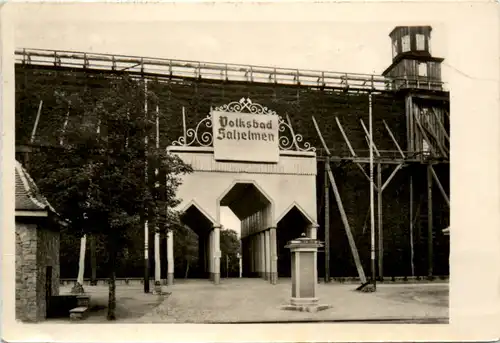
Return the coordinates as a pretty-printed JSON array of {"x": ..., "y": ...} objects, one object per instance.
[{"x": 245, "y": 137}]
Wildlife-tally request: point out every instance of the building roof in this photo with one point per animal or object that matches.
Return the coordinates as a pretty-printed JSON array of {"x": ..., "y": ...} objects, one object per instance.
[
  {"x": 28, "y": 196},
  {"x": 411, "y": 55},
  {"x": 427, "y": 27}
]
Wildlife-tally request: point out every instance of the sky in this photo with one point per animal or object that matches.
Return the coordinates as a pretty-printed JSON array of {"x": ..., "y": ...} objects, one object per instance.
[
  {"x": 320, "y": 45},
  {"x": 343, "y": 46}
]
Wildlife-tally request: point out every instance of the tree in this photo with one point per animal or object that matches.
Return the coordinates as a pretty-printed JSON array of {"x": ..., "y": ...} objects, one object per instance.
[
  {"x": 185, "y": 247},
  {"x": 97, "y": 179},
  {"x": 230, "y": 247}
]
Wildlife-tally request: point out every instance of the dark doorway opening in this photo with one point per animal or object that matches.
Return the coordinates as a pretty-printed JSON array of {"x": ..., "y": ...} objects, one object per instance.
[
  {"x": 253, "y": 208},
  {"x": 48, "y": 290},
  {"x": 291, "y": 226},
  {"x": 190, "y": 245}
]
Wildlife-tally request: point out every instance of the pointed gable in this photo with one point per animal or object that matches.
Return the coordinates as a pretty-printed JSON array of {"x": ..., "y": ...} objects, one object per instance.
[{"x": 28, "y": 197}]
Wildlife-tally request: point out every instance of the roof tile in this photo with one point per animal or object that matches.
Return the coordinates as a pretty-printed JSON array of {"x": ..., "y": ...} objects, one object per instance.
[{"x": 28, "y": 197}]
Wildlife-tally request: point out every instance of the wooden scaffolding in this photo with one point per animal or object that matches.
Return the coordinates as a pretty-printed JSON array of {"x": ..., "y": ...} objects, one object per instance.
[
  {"x": 428, "y": 142},
  {"x": 426, "y": 113}
]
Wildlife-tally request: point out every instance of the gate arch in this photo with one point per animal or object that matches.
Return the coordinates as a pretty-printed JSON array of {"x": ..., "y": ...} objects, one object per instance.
[{"x": 263, "y": 179}]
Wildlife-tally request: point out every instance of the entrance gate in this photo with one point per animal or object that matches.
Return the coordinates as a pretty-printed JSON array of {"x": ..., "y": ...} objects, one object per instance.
[{"x": 248, "y": 158}]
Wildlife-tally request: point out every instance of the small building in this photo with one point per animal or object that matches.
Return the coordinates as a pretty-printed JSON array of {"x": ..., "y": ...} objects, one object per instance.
[{"x": 37, "y": 249}]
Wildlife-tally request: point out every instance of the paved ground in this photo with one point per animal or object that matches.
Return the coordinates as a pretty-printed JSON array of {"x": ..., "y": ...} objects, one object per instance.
[
  {"x": 132, "y": 303},
  {"x": 255, "y": 300}
]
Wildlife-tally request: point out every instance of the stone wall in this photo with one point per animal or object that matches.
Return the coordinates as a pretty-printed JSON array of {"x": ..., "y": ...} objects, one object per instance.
[
  {"x": 47, "y": 256},
  {"x": 26, "y": 271},
  {"x": 36, "y": 249}
]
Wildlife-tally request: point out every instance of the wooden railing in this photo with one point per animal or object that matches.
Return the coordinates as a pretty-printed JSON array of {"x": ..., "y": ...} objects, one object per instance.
[{"x": 170, "y": 68}]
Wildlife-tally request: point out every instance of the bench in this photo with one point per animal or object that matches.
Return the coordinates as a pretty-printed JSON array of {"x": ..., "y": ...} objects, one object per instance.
[
  {"x": 78, "y": 313},
  {"x": 82, "y": 301}
]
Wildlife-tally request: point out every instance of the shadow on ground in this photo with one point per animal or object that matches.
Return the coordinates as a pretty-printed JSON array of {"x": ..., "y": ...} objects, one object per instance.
[{"x": 131, "y": 304}]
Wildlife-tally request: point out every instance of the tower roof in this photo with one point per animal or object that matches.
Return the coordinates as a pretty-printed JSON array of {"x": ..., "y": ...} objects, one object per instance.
[{"x": 427, "y": 27}]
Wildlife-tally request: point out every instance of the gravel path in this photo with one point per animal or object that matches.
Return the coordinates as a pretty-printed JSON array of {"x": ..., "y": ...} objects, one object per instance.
[{"x": 255, "y": 300}]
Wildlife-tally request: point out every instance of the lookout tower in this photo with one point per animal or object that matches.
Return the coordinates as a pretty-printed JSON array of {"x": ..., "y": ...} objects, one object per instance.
[
  {"x": 413, "y": 66},
  {"x": 415, "y": 73}
]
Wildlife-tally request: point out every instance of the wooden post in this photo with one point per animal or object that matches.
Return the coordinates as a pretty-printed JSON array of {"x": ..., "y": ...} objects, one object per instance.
[
  {"x": 440, "y": 186},
  {"x": 156, "y": 228},
  {"x": 430, "y": 242},
  {"x": 291, "y": 131},
  {"x": 394, "y": 139},
  {"x": 33, "y": 133},
  {"x": 348, "y": 145},
  {"x": 146, "y": 223},
  {"x": 347, "y": 228},
  {"x": 184, "y": 125},
  {"x": 410, "y": 134},
  {"x": 443, "y": 148},
  {"x": 422, "y": 131},
  {"x": 389, "y": 179},
  {"x": 343, "y": 215},
  {"x": 407, "y": 112},
  {"x": 440, "y": 124},
  {"x": 412, "y": 251},
  {"x": 372, "y": 190},
  {"x": 380, "y": 224},
  {"x": 412, "y": 124},
  {"x": 367, "y": 137},
  {"x": 327, "y": 221}
]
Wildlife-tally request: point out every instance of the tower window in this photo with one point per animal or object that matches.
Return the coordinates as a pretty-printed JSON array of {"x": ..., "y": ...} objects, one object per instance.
[
  {"x": 422, "y": 69},
  {"x": 406, "y": 43},
  {"x": 420, "y": 42},
  {"x": 394, "y": 48}
]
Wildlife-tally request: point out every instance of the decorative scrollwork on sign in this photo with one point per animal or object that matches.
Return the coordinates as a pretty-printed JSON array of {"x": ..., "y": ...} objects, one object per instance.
[
  {"x": 292, "y": 142},
  {"x": 200, "y": 136},
  {"x": 245, "y": 104}
]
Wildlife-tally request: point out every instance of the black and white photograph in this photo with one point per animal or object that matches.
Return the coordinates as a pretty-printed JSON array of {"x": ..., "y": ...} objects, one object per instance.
[{"x": 212, "y": 171}]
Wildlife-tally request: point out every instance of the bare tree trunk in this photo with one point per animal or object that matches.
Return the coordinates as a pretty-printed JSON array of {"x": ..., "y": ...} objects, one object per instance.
[
  {"x": 187, "y": 270},
  {"x": 81, "y": 262},
  {"x": 93, "y": 260},
  {"x": 78, "y": 287},
  {"x": 112, "y": 278}
]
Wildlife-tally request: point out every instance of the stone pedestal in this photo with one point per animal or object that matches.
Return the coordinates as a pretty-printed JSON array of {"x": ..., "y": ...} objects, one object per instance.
[{"x": 304, "y": 276}]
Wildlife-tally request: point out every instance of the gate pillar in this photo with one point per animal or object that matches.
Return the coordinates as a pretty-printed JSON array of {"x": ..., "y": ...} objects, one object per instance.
[
  {"x": 268, "y": 255},
  {"x": 274, "y": 255},
  {"x": 170, "y": 257},
  {"x": 262, "y": 254},
  {"x": 217, "y": 254}
]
